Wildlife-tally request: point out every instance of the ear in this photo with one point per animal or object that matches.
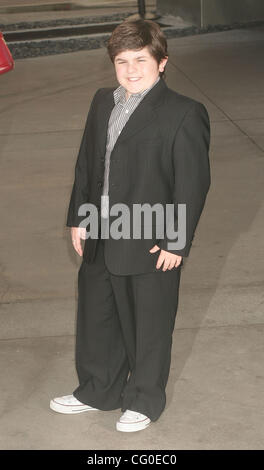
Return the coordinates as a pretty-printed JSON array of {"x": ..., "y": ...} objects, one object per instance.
[{"x": 162, "y": 63}]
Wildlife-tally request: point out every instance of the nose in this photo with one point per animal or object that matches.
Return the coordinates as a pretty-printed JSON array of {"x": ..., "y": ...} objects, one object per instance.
[{"x": 131, "y": 68}]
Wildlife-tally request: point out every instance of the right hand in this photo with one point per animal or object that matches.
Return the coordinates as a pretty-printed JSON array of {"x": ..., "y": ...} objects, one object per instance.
[{"x": 78, "y": 234}]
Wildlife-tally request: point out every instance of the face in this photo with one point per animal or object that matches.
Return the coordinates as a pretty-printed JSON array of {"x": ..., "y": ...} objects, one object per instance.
[{"x": 137, "y": 70}]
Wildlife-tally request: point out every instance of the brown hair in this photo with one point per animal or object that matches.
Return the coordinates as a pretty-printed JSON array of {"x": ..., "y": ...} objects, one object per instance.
[{"x": 136, "y": 34}]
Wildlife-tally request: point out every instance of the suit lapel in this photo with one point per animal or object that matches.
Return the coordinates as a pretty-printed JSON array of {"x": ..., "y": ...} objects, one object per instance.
[
  {"x": 105, "y": 111},
  {"x": 141, "y": 117}
]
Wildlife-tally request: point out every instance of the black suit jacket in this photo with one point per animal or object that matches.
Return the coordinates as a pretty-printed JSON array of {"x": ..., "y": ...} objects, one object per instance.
[{"x": 161, "y": 156}]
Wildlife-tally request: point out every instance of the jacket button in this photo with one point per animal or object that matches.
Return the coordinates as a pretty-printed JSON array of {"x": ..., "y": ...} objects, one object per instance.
[{"x": 99, "y": 184}]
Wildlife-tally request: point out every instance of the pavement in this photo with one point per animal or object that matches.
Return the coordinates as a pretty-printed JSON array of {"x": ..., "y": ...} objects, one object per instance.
[
  {"x": 12, "y": 12},
  {"x": 215, "y": 387}
]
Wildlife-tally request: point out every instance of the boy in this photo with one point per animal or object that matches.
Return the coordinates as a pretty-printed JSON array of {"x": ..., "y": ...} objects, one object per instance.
[{"x": 157, "y": 142}]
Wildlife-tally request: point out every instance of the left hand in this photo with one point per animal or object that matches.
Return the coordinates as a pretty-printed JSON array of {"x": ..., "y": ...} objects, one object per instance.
[{"x": 169, "y": 259}]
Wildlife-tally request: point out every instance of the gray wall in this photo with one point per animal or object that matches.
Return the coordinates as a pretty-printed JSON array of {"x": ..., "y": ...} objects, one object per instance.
[{"x": 205, "y": 12}]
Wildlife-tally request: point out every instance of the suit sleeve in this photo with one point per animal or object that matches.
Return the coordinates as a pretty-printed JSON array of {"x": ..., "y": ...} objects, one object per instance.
[
  {"x": 80, "y": 190},
  {"x": 191, "y": 173}
]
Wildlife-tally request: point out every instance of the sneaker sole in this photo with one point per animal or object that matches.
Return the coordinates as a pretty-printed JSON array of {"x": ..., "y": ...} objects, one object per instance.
[
  {"x": 125, "y": 427},
  {"x": 67, "y": 409}
]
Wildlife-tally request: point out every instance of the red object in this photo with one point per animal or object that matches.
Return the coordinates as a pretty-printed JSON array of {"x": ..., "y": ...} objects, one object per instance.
[{"x": 6, "y": 59}]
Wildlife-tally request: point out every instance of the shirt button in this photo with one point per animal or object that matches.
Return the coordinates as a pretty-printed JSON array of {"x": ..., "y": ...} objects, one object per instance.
[
  {"x": 127, "y": 111},
  {"x": 119, "y": 132}
]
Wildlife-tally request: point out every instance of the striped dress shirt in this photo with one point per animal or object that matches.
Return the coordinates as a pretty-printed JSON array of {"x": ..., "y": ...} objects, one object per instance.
[{"x": 119, "y": 116}]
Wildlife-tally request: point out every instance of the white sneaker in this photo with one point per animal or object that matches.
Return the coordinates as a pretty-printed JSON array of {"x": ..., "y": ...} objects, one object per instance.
[
  {"x": 69, "y": 405},
  {"x": 132, "y": 421}
]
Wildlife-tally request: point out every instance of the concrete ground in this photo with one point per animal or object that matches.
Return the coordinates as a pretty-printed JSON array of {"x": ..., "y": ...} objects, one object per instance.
[
  {"x": 215, "y": 388},
  {"x": 89, "y": 8}
]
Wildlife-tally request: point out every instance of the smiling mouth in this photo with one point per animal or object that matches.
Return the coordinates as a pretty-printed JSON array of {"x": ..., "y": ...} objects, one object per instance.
[{"x": 133, "y": 79}]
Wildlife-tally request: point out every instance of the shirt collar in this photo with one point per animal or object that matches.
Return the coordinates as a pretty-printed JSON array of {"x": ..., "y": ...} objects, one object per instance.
[{"x": 120, "y": 93}]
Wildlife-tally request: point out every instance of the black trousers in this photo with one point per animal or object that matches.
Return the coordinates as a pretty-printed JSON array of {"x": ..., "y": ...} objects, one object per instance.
[{"x": 124, "y": 336}]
